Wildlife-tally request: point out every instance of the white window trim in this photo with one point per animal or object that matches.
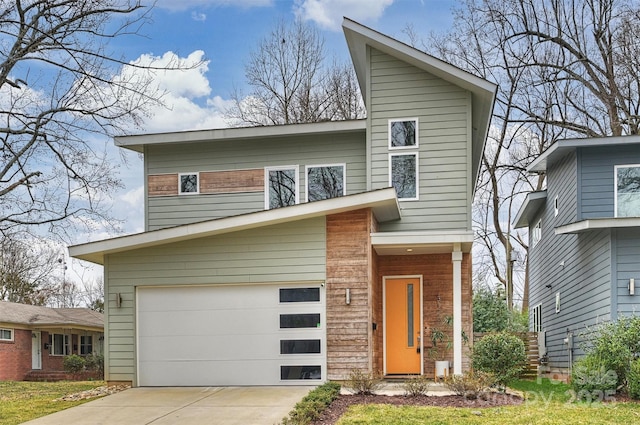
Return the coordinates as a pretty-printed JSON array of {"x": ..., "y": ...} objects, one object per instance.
[
  {"x": 306, "y": 177},
  {"x": 66, "y": 343},
  {"x": 391, "y": 155},
  {"x": 536, "y": 318},
  {"x": 615, "y": 184},
  {"x": 537, "y": 227},
  {"x": 556, "y": 206},
  {"x": 11, "y": 331},
  {"x": 180, "y": 192},
  {"x": 280, "y": 168},
  {"x": 557, "y": 302},
  {"x": 391, "y": 121}
]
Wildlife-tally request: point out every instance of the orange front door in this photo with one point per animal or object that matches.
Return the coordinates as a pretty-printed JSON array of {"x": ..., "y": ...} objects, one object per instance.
[{"x": 402, "y": 325}]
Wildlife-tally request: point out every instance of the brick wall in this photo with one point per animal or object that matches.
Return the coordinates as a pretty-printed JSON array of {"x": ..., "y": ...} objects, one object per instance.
[
  {"x": 15, "y": 356},
  {"x": 437, "y": 275}
]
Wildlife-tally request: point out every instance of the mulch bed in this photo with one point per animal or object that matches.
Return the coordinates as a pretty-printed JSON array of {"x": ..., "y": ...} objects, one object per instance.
[{"x": 340, "y": 405}]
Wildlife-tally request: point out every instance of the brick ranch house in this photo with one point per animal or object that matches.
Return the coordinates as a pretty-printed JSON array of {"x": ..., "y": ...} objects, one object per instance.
[
  {"x": 36, "y": 339},
  {"x": 294, "y": 254}
]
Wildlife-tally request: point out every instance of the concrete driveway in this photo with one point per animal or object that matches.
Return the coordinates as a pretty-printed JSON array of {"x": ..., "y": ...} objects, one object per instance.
[{"x": 185, "y": 405}]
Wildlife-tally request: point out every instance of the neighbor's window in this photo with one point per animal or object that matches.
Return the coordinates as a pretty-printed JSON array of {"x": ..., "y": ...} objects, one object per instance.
[
  {"x": 403, "y": 175},
  {"x": 536, "y": 233},
  {"x": 627, "y": 187},
  {"x": 536, "y": 318},
  {"x": 86, "y": 344},
  {"x": 188, "y": 183},
  {"x": 403, "y": 133},
  {"x": 6, "y": 334},
  {"x": 325, "y": 182},
  {"x": 281, "y": 187},
  {"x": 59, "y": 345}
]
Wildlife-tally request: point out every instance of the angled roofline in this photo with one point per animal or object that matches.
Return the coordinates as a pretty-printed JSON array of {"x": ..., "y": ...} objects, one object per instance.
[
  {"x": 138, "y": 141},
  {"x": 383, "y": 202},
  {"x": 483, "y": 92},
  {"x": 562, "y": 147},
  {"x": 597, "y": 224},
  {"x": 529, "y": 208}
]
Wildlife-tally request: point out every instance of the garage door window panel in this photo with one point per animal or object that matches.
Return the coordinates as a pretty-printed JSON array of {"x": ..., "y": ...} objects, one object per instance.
[
  {"x": 300, "y": 346},
  {"x": 299, "y": 295},
  {"x": 291, "y": 321},
  {"x": 300, "y": 372}
]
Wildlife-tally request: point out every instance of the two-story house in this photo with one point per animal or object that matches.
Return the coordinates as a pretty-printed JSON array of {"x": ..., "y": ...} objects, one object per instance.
[
  {"x": 584, "y": 240},
  {"x": 297, "y": 253}
]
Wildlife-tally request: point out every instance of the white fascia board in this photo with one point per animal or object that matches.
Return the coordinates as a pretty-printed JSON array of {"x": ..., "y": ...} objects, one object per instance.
[
  {"x": 597, "y": 224},
  {"x": 383, "y": 202},
  {"x": 561, "y": 147},
  {"x": 137, "y": 142},
  {"x": 531, "y": 205},
  {"x": 421, "y": 238}
]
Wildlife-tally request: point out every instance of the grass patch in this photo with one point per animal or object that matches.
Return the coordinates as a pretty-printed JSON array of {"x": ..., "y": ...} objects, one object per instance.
[
  {"x": 547, "y": 403},
  {"x": 24, "y": 401}
]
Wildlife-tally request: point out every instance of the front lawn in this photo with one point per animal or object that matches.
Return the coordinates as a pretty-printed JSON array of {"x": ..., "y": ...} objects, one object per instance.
[
  {"x": 24, "y": 401},
  {"x": 546, "y": 403}
]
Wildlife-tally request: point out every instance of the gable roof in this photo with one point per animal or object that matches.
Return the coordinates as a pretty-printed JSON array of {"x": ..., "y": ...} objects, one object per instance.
[
  {"x": 39, "y": 316},
  {"x": 562, "y": 147},
  {"x": 483, "y": 92},
  {"x": 383, "y": 202}
]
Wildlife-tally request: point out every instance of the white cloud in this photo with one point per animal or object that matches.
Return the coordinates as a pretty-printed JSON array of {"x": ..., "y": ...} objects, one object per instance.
[
  {"x": 188, "y": 4},
  {"x": 328, "y": 13},
  {"x": 198, "y": 16}
]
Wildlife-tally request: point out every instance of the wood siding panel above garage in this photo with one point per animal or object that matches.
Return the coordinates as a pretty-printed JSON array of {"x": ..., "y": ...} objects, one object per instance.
[
  {"x": 249, "y": 156},
  {"x": 400, "y": 90},
  {"x": 349, "y": 257},
  {"x": 292, "y": 252}
]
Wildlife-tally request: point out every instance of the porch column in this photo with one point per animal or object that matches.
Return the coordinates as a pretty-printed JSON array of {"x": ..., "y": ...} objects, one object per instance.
[{"x": 456, "y": 258}]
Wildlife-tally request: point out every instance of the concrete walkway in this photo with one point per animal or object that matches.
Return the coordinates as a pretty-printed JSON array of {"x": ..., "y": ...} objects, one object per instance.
[{"x": 184, "y": 405}]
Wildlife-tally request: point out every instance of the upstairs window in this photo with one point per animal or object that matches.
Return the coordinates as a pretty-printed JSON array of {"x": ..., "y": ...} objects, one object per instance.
[
  {"x": 281, "y": 187},
  {"x": 188, "y": 184},
  {"x": 325, "y": 182},
  {"x": 536, "y": 233},
  {"x": 403, "y": 175},
  {"x": 627, "y": 190},
  {"x": 6, "y": 334},
  {"x": 403, "y": 133}
]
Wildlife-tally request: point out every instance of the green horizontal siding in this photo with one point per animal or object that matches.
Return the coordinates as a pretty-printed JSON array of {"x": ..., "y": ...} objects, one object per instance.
[
  {"x": 167, "y": 211},
  {"x": 290, "y": 252},
  {"x": 400, "y": 90}
]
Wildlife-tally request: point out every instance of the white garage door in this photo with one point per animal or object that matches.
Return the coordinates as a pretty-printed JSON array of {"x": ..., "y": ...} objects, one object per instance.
[{"x": 231, "y": 335}]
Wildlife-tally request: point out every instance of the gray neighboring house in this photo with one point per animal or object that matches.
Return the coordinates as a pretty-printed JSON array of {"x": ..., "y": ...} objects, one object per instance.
[{"x": 584, "y": 241}]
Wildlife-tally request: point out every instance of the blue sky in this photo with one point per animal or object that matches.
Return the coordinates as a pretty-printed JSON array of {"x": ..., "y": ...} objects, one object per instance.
[{"x": 219, "y": 34}]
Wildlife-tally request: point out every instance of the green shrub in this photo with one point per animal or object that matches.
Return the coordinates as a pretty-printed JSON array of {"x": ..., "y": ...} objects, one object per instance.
[
  {"x": 471, "y": 385},
  {"x": 591, "y": 379},
  {"x": 363, "y": 383},
  {"x": 501, "y": 354},
  {"x": 633, "y": 380},
  {"x": 614, "y": 344},
  {"x": 95, "y": 362},
  {"x": 73, "y": 363},
  {"x": 416, "y": 386},
  {"x": 312, "y": 405}
]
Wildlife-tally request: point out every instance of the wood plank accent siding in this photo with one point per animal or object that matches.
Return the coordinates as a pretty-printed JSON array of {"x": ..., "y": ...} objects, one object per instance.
[
  {"x": 163, "y": 185},
  {"x": 349, "y": 255},
  {"x": 233, "y": 181},
  {"x": 437, "y": 275}
]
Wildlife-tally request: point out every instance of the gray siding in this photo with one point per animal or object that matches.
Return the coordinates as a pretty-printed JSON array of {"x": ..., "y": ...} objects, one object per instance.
[
  {"x": 576, "y": 266},
  {"x": 291, "y": 252},
  {"x": 170, "y": 211},
  {"x": 400, "y": 90},
  {"x": 627, "y": 265},
  {"x": 597, "y": 177}
]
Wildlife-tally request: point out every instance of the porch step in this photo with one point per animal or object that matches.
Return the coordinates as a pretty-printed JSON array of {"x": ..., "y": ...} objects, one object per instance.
[{"x": 60, "y": 375}]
